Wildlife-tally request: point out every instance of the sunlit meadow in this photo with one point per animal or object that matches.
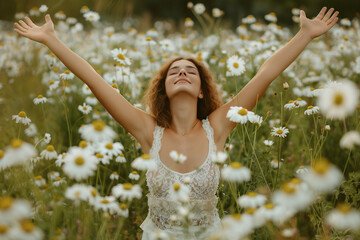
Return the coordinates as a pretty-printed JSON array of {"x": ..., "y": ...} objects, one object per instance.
[{"x": 290, "y": 169}]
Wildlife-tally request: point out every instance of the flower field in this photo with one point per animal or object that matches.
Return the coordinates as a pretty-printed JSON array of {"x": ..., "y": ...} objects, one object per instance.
[{"x": 289, "y": 170}]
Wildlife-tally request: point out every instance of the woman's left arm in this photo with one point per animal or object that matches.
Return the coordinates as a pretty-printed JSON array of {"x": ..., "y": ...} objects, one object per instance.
[{"x": 276, "y": 64}]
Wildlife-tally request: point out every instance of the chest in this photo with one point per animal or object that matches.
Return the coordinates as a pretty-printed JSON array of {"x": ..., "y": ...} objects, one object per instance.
[{"x": 194, "y": 146}]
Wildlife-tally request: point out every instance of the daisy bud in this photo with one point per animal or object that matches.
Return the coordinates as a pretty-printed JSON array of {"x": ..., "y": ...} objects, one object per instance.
[
  {"x": 327, "y": 127},
  {"x": 285, "y": 86}
]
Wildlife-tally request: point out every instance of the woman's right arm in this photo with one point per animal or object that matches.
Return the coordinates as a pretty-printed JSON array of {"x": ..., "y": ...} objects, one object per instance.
[{"x": 137, "y": 122}]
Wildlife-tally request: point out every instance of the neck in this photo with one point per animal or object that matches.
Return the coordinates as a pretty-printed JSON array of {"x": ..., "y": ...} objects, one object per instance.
[{"x": 183, "y": 109}]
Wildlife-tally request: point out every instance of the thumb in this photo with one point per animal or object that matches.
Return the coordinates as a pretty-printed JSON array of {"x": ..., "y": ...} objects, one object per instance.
[
  {"x": 302, "y": 13},
  {"x": 47, "y": 18}
]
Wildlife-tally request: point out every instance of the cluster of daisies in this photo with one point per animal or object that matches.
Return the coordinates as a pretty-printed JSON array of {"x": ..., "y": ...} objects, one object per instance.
[{"x": 321, "y": 82}]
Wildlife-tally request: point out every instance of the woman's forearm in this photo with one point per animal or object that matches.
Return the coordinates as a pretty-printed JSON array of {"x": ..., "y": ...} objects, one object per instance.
[
  {"x": 277, "y": 63},
  {"x": 77, "y": 65}
]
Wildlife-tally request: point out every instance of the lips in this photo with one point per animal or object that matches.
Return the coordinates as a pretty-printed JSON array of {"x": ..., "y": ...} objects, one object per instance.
[{"x": 182, "y": 80}]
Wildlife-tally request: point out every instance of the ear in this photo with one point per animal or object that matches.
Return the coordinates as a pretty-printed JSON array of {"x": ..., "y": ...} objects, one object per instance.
[{"x": 201, "y": 95}]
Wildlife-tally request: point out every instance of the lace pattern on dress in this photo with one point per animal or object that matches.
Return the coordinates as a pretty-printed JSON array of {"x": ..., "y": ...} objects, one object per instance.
[{"x": 203, "y": 186}]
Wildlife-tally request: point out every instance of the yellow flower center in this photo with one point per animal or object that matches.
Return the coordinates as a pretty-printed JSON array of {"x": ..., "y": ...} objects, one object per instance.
[
  {"x": 105, "y": 201},
  {"x": 115, "y": 173},
  {"x": 99, "y": 155},
  {"x": 269, "y": 206},
  {"x": 27, "y": 226},
  {"x": 286, "y": 188},
  {"x": 84, "y": 107},
  {"x": 40, "y": 96},
  {"x": 145, "y": 156},
  {"x": 127, "y": 186},
  {"x": 84, "y": 8},
  {"x": 251, "y": 194},
  {"x": 50, "y": 148},
  {"x": 51, "y": 82},
  {"x": 279, "y": 131},
  {"x": 291, "y": 101},
  {"x": 235, "y": 65},
  {"x": 56, "y": 70},
  {"x": 295, "y": 181},
  {"x": 250, "y": 211},
  {"x": 38, "y": 178},
  {"x": 343, "y": 207},
  {"x": 310, "y": 107},
  {"x": 22, "y": 114},
  {"x": 299, "y": 99},
  {"x": 67, "y": 72},
  {"x": 236, "y": 216},
  {"x": 123, "y": 206},
  {"x": 236, "y": 165},
  {"x": 1, "y": 154},
  {"x": 6, "y": 202},
  {"x": 94, "y": 192},
  {"x": 338, "y": 99},
  {"x": 109, "y": 146},
  {"x": 121, "y": 56},
  {"x": 3, "y": 229},
  {"x": 83, "y": 144},
  {"x": 121, "y": 154},
  {"x": 176, "y": 187},
  {"x": 243, "y": 112},
  {"x": 321, "y": 166},
  {"x": 98, "y": 125},
  {"x": 148, "y": 39},
  {"x": 134, "y": 172},
  {"x": 58, "y": 179},
  {"x": 114, "y": 86},
  {"x": 79, "y": 161}
]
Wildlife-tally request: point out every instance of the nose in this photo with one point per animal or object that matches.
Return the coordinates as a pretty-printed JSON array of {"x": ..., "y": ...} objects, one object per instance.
[{"x": 182, "y": 72}]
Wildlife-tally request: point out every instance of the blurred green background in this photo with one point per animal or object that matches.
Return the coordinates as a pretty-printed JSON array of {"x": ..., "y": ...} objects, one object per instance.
[{"x": 176, "y": 10}]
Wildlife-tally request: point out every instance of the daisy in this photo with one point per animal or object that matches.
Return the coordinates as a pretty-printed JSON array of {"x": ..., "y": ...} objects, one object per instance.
[
  {"x": 327, "y": 127},
  {"x": 235, "y": 66},
  {"x": 311, "y": 110},
  {"x": 290, "y": 105},
  {"x": 236, "y": 226},
  {"x": 110, "y": 149},
  {"x": 78, "y": 192},
  {"x": 122, "y": 210},
  {"x": 114, "y": 176},
  {"x": 134, "y": 175},
  {"x": 120, "y": 56},
  {"x": 79, "y": 164},
  {"x": 349, "y": 139},
  {"x": 85, "y": 109},
  {"x": 199, "y": 8},
  {"x": 339, "y": 99},
  {"x": 268, "y": 142},
  {"x": 60, "y": 15},
  {"x": 302, "y": 171},
  {"x": 299, "y": 103},
  {"x": 279, "y": 131},
  {"x": 276, "y": 213},
  {"x": 26, "y": 229},
  {"x": 251, "y": 200},
  {"x": 31, "y": 131},
  {"x": 39, "y": 181},
  {"x": 256, "y": 119},
  {"x": 179, "y": 192},
  {"x": 219, "y": 157},
  {"x": 47, "y": 138},
  {"x": 97, "y": 131},
  {"x": 91, "y": 100},
  {"x": 40, "y": 99},
  {"x": 323, "y": 176},
  {"x": 271, "y": 17},
  {"x": 84, "y": 9},
  {"x": 43, "y": 8},
  {"x": 12, "y": 210},
  {"x": 239, "y": 114},
  {"x": 345, "y": 22},
  {"x": 104, "y": 159},
  {"x": 236, "y": 172},
  {"x": 127, "y": 191},
  {"x": 294, "y": 194},
  {"x": 53, "y": 84},
  {"x": 86, "y": 146},
  {"x": 217, "y": 12},
  {"x": 248, "y": 19},
  {"x": 344, "y": 217},
  {"x": 53, "y": 175},
  {"x": 107, "y": 203},
  {"x": 49, "y": 153},
  {"x": 144, "y": 162},
  {"x": 177, "y": 157},
  {"x": 22, "y": 118},
  {"x": 58, "y": 181},
  {"x": 67, "y": 75},
  {"x": 120, "y": 158},
  {"x": 275, "y": 163},
  {"x": 91, "y": 16},
  {"x": 18, "y": 152},
  {"x": 34, "y": 11}
]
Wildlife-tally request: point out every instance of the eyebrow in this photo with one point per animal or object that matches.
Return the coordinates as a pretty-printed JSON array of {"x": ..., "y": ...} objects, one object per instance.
[{"x": 189, "y": 66}]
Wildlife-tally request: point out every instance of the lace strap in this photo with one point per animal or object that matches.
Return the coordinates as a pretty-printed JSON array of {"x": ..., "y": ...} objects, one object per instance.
[
  {"x": 156, "y": 145},
  {"x": 209, "y": 134}
]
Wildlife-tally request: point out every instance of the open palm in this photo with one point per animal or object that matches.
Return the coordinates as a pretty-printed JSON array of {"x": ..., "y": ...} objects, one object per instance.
[
  {"x": 34, "y": 32},
  {"x": 320, "y": 24}
]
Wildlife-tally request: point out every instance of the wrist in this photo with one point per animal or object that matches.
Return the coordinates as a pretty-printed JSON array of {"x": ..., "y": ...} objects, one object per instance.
[
  {"x": 49, "y": 38},
  {"x": 305, "y": 34}
]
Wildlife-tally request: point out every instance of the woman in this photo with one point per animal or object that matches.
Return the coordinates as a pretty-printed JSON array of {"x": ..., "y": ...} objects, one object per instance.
[{"x": 186, "y": 116}]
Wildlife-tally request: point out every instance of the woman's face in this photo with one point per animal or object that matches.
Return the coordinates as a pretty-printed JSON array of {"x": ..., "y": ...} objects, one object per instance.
[{"x": 183, "y": 77}]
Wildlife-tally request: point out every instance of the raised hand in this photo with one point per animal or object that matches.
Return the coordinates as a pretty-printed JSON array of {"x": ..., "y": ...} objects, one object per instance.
[
  {"x": 320, "y": 24},
  {"x": 34, "y": 32}
]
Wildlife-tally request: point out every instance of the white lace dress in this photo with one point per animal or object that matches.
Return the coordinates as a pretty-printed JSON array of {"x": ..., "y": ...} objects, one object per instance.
[{"x": 203, "y": 201}]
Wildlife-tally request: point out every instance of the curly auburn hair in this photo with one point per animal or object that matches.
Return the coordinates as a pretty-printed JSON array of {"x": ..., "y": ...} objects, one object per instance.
[{"x": 158, "y": 101}]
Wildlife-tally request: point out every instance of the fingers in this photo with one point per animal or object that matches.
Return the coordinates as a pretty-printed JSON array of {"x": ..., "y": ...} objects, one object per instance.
[
  {"x": 20, "y": 32},
  {"x": 328, "y": 14},
  {"x": 29, "y": 22},
  {"x": 47, "y": 18},
  {"x": 23, "y": 24},
  {"x": 331, "y": 22},
  {"x": 321, "y": 13},
  {"x": 333, "y": 17},
  {"x": 20, "y": 27}
]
